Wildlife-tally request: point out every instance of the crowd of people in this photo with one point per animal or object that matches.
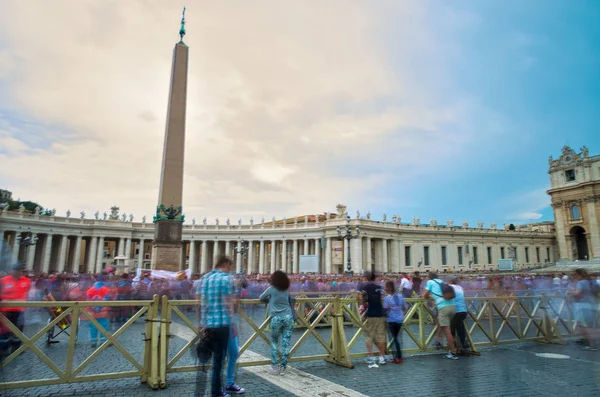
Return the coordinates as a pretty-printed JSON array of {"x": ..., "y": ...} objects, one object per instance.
[{"x": 381, "y": 298}]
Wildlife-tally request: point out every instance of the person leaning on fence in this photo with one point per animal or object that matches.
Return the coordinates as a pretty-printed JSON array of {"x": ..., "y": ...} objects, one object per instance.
[
  {"x": 457, "y": 324},
  {"x": 394, "y": 305},
  {"x": 585, "y": 300},
  {"x": 216, "y": 310},
  {"x": 443, "y": 295},
  {"x": 13, "y": 287},
  {"x": 372, "y": 294},
  {"x": 282, "y": 319}
]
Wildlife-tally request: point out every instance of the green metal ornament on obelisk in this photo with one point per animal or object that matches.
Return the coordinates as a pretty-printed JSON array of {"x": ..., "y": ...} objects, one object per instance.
[{"x": 169, "y": 218}]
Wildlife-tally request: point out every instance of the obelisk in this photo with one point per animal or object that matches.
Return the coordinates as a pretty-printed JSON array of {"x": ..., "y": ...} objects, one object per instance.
[{"x": 166, "y": 247}]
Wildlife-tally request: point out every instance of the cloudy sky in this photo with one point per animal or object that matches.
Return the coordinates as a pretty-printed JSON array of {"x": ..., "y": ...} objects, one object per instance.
[{"x": 432, "y": 109}]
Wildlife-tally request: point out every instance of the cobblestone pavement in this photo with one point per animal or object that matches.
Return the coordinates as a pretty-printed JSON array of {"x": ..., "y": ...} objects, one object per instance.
[{"x": 510, "y": 370}]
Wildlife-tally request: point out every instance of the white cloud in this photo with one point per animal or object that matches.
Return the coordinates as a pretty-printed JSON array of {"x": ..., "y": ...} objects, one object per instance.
[
  {"x": 292, "y": 107},
  {"x": 527, "y": 216}
]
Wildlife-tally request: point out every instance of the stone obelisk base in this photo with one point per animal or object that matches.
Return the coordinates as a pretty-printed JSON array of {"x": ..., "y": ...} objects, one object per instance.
[{"x": 166, "y": 247}]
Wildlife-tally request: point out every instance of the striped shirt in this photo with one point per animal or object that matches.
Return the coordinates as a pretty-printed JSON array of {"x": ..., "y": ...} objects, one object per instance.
[{"x": 215, "y": 288}]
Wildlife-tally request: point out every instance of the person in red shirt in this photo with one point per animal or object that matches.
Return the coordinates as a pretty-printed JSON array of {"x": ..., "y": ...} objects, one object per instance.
[
  {"x": 13, "y": 287},
  {"x": 98, "y": 292}
]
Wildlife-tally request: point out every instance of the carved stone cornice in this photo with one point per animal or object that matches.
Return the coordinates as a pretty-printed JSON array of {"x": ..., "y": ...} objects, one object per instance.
[{"x": 591, "y": 198}]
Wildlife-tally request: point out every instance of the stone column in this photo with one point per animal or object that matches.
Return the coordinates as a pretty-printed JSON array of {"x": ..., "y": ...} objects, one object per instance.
[
  {"x": 564, "y": 249},
  {"x": 369, "y": 264},
  {"x": 193, "y": 265},
  {"x": 594, "y": 231},
  {"x": 92, "y": 255},
  {"x": 395, "y": 253},
  {"x": 62, "y": 257},
  {"x": 204, "y": 257},
  {"x": 284, "y": 262},
  {"x": 261, "y": 257},
  {"x": 238, "y": 259},
  {"x": 318, "y": 253},
  {"x": 278, "y": 248},
  {"x": 127, "y": 251},
  {"x": 273, "y": 254},
  {"x": 142, "y": 253},
  {"x": 251, "y": 258},
  {"x": 228, "y": 248},
  {"x": 16, "y": 246},
  {"x": 356, "y": 255},
  {"x": 295, "y": 263},
  {"x": 99, "y": 255},
  {"x": 328, "y": 256},
  {"x": 77, "y": 255},
  {"x": 305, "y": 251},
  {"x": 183, "y": 256},
  {"x": 121, "y": 247},
  {"x": 47, "y": 253},
  {"x": 384, "y": 257},
  {"x": 31, "y": 253}
]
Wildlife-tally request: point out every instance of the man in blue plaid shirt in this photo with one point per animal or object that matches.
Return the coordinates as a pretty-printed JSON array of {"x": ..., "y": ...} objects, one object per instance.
[{"x": 216, "y": 310}]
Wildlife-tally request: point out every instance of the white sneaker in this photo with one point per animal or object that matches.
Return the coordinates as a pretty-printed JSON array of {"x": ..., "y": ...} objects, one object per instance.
[
  {"x": 373, "y": 366},
  {"x": 382, "y": 360},
  {"x": 275, "y": 370}
]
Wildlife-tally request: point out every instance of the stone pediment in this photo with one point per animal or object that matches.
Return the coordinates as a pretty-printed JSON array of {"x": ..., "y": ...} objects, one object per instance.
[{"x": 568, "y": 158}]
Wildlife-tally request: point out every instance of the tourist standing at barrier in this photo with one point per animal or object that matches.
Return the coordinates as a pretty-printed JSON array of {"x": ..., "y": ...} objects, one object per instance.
[
  {"x": 443, "y": 295},
  {"x": 394, "y": 305},
  {"x": 233, "y": 349},
  {"x": 417, "y": 281},
  {"x": 371, "y": 294},
  {"x": 13, "y": 287},
  {"x": 98, "y": 292},
  {"x": 585, "y": 306},
  {"x": 457, "y": 325},
  {"x": 216, "y": 310},
  {"x": 282, "y": 319},
  {"x": 406, "y": 286}
]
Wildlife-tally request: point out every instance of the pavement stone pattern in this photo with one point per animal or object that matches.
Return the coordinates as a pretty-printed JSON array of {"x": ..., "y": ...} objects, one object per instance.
[{"x": 509, "y": 370}]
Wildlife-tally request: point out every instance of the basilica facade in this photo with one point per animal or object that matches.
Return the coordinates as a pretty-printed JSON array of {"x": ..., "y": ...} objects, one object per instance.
[{"x": 575, "y": 194}]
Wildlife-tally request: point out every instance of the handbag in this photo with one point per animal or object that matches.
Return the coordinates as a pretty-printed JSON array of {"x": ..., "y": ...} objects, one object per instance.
[{"x": 204, "y": 347}]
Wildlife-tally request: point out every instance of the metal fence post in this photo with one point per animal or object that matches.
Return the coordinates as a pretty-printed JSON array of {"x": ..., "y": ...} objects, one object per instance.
[
  {"x": 153, "y": 380},
  {"x": 338, "y": 337},
  {"x": 165, "y": 328}
]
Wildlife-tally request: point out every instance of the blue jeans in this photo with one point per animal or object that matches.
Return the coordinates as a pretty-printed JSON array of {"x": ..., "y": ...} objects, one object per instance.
[
  {"x": 94, "y": 331},
  {"x": 232, "y": 356}
]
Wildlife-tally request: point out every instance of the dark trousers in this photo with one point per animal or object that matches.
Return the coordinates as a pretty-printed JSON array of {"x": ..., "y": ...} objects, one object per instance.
[
  {"x": 457, "y": 326},
  {"x": 8, "y": 338},
  {"x": 220, "y": 338},
  {"x": 394, "y": 331}
]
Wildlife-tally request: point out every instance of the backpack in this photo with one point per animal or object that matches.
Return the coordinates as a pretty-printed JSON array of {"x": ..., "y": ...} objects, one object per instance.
[{"x": 447, "y": 291}]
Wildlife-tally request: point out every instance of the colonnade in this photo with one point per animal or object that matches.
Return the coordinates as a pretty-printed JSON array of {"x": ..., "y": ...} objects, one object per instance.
[{"x": 80, "y": 245}]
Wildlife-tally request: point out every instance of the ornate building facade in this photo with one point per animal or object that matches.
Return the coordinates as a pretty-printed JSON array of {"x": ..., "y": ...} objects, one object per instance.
[
  {"x": 81, "y": 244},
  {"x": 575, "y": 193}
]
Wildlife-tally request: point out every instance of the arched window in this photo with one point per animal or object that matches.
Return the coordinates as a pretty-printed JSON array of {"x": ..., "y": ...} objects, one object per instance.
[{"x": 575, "y": 213}]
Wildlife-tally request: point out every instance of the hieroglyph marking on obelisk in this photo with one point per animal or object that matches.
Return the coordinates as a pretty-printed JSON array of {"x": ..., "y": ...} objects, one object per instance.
[{"x": 166, "y": 247}]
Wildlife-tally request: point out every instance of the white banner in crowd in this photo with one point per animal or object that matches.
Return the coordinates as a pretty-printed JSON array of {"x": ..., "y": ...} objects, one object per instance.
[{"x": 163, "y": 274}]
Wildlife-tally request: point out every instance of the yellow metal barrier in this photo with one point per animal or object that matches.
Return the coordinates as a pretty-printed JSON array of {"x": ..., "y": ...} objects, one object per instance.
[
  {"x": 72, "y": 373},
  {"x": 490, "y": 321}
]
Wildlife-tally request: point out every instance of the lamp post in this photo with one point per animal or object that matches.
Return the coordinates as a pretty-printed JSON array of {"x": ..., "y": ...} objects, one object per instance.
[
  {"x": 26, "y": 242},
  {"x": 242, "y": 249},
  {"x": 348, "y": 236}
]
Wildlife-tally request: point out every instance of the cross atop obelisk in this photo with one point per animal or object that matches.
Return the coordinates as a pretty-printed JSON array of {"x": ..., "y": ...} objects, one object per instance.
[{"x": 166, "y": 248}]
